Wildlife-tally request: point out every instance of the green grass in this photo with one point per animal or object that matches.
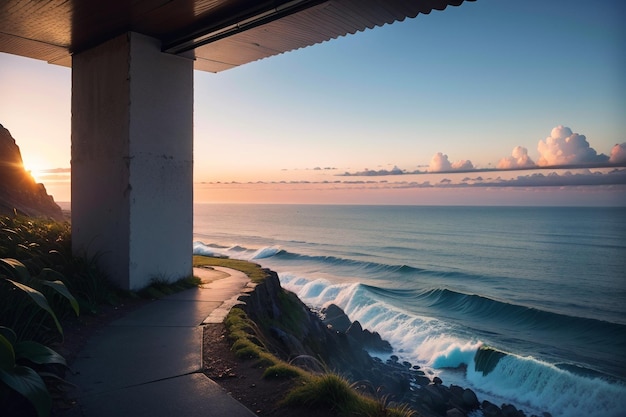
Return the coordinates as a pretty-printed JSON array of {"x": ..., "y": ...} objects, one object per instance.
[
  {"x": 330, "y": 391},
  {"x": 292, "y": 313},
  {"x": 160, "y": 288},
  {"x": 283, "y": 370},
  {"x": 246, "y": 338},
  {"x": 252, "y": 270},
  {"x": 326, "y": 391}
]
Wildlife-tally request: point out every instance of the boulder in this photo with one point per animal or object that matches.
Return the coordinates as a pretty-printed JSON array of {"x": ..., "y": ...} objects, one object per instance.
[
  {"x": 334, "y": 317},
  {"x": 490, "y": 410},
  {"x": 509, "y": 410},
  {"x": 369, "y": 340},
  {"x": 455, "y": 412},
  {"x": 470, "y": 400}
]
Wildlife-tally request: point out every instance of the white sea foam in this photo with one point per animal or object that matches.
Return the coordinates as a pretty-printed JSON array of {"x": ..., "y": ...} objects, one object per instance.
[
  {"x": 201, "y": 249},
  {"x": 266, "y": 252},
  {"x": 543, "y": 386},
  {"x": 531, "y": 385}
]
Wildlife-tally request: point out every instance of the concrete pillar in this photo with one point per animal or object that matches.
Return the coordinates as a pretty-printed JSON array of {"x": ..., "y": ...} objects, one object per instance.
[{"x": 132, "y": 160}]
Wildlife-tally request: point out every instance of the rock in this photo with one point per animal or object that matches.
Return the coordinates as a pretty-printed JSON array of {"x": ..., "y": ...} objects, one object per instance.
[
  {"x": 509, "y": 410},
  {"x": 394, "y": 383},
  {"x": 290, "y": 343},
  {"x": 355, "y": 330},
  {"x": 263, "y": 301},
  {"x": 470, "y": 400},
  {"x": 490, "y": 410},
  {"x": 19, "y": 193},
  {"x": 456, "y": 391},
  {"x": 438, "y": 398},
  {"x": 421, "y": 380},
  {"x": 463, "y": 399},
  {"x": 368, "y": 340},
  {"x": 455, "y": 412},
  {"x": 336, "y": 318}
]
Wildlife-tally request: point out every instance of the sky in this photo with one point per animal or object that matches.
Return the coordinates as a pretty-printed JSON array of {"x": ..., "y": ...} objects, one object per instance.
[{"x": 469, "y": 91}]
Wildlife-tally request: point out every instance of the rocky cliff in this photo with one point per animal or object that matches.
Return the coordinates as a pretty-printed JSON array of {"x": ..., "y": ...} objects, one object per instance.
[
  {"x": 19, "y": 192},
  {"x": 329, "y": 341}
]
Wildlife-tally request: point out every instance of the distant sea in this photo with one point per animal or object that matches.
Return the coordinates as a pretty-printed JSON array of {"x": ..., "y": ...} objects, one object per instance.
[{"x": 546, "y": 287}]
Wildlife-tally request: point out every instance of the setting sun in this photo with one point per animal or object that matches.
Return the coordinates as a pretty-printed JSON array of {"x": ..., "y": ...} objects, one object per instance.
[{"x": 35, "y": 168}]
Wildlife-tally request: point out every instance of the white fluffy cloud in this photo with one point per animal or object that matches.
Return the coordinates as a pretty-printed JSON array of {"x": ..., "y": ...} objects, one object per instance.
[
  {"x": 440, "y": 163},
  {"x": 519, "y": 159},
  {"x": 463, "y": 164},
  {"x": 618, "y": 154},
  {"x": 563, "y": 147}
]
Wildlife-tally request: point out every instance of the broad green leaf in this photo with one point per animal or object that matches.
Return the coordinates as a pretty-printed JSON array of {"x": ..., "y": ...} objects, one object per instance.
[
  {"x": 60, "y": 288},
  {"x": 40, "y": 299},
  {"x": 49, "y": 274},
  {"x": 7, "y": 354},
  {"x": 37, "y": 353},
  {"x": 16, "y": 269},
  {"x": 9, "y": 334},
  {"x": 29, "y": 384}
]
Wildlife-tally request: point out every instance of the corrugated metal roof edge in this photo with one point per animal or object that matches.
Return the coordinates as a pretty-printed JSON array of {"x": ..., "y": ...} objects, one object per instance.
[{"x": 454, "y": 3}]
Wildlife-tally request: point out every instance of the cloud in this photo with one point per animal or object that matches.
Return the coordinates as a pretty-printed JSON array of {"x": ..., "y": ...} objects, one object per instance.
[
  {"x": 568, "y": 178},
  {"x": 563, "y": 147},
  {"x": 440, "y": 163},
  {"x": 55, "y": 171},
  {"x": 375, "y": 173},
  {"x": 609, "y": 178},
  {"x": 519, "y": 159},
  {"x": 618, "y": 154},
  {"x": 463, "y": 165}
]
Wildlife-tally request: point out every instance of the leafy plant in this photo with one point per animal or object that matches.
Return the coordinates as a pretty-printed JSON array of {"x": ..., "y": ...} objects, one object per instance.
[
  {"x": 16, "y": 370},
  {"x": 31, "y": 240},
  {"x": 46, "y": 244},
  {"x": 22, "y": 362},
  {"x": 85, "y": 279},
  {"x": 29, "y": 310}
]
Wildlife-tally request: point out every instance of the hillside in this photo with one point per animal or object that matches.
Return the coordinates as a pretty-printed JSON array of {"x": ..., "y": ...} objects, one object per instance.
[{"x": 19, "y": 192}]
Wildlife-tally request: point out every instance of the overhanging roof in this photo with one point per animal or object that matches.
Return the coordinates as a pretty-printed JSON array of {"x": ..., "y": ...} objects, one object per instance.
[{"x": 222, "y": 33}]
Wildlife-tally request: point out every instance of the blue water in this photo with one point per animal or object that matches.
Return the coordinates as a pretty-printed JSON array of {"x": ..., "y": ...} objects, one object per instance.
[{"x": 544, "y": 286}]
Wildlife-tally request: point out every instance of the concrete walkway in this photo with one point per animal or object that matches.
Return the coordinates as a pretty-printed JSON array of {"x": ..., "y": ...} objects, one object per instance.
[{"x": 149, "y": 363}]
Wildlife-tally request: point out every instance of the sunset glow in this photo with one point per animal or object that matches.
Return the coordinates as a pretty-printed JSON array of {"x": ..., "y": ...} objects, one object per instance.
[{"x": 485, "y": 85}]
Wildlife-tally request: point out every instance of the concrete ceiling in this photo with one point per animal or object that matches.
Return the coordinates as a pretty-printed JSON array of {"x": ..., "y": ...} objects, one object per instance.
[{"x": 221, "y": 33}]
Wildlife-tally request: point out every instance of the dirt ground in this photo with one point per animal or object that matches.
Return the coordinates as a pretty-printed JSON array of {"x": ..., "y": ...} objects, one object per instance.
[{"x": 244, "y": 381}]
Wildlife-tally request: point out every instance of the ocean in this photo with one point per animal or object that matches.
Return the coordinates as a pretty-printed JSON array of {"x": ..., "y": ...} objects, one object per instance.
[{"x": 542, "y": 287}]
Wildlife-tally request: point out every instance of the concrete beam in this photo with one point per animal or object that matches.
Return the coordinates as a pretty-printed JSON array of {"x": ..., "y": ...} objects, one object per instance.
[{"x": 132, "y": 160}]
